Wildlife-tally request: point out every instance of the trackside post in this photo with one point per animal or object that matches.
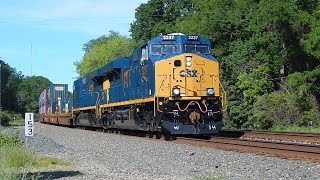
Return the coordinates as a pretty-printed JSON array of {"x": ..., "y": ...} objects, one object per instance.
[{"x": 28, "y": 126}]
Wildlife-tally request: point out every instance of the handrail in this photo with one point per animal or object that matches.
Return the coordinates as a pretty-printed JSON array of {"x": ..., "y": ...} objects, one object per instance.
[
  {"x": 98, "y": 113},
  {"x": 224, "y": 97}
]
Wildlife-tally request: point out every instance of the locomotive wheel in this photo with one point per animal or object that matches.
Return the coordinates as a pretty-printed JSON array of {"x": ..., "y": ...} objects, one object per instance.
[
  {"x": 150, "y": 134},
  {"x": 206, "y": 137},
  {"x": 167, "y": 137},
  {"x": 158, "y": 135}
]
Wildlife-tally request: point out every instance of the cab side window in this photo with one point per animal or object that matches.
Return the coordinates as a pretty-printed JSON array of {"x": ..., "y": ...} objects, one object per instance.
[{"x": 144, "y": 54}]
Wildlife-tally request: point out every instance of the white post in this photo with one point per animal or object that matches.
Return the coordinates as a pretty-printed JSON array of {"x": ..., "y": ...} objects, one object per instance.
[{"x": 28, "y": 129}]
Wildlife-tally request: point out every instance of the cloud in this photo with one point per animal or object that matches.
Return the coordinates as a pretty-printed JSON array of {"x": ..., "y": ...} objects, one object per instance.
[
  {"x": 10, "y": 52},
  {"x": 82, "y": 15}
]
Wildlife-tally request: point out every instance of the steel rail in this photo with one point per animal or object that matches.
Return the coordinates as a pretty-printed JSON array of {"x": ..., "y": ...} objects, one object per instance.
[
  {"x": 270, "y": 135},
  {"x": 278, "y": 149}
]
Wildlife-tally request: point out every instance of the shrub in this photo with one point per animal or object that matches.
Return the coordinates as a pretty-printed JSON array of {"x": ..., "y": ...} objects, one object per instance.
[
  {"x": 15, "y": 160},
  {"x": 5, "y": 140},
  {"x": 274, "y": 109},
  {"x": 7, "y": 117},
  {"x": 284, "y": 109}
]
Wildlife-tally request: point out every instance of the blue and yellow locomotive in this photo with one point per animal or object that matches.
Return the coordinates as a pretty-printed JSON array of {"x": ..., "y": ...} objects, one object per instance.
[{"x": 170, "y": 84}]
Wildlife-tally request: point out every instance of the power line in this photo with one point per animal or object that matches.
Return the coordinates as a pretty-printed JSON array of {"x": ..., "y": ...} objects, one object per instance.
[{"x": 85, "y": 19}]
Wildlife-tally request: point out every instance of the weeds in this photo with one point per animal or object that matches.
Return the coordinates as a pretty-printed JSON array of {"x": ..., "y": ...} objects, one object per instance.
[
  {"x": 15, "y": 161},
  {"x": 296, "y": 128},
  {"x": 6, "y": 140}
]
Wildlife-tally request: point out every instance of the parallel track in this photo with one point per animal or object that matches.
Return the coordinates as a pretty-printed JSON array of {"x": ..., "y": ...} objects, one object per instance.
[
  {"x": 269, "y": 148},
  {"x": 307, "y": 138}
]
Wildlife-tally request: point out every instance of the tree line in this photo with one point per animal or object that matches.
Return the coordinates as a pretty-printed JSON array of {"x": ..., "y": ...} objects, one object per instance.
[
  {"x": 268, "y": 52},
  {"x": 19, "y": 93}
]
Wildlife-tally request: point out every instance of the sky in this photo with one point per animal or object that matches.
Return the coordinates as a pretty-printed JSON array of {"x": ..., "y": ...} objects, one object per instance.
[{"x": 45, "y": 37}]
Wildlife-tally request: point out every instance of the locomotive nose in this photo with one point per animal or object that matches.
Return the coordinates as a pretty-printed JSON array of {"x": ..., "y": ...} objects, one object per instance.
[{"x": 194, "y": 117}]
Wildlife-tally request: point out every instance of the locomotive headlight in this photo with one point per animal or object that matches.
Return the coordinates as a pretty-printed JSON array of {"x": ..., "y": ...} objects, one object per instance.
[
  {"x": 188, "y": 61},
  {"x": 176, "y": 91},
  {"x": 210, "y": 91}
]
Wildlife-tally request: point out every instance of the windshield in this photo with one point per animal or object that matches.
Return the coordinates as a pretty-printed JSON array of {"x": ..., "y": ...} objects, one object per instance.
[
  {"x": 196, "y": 48},
  {"x": 158, "y": 49}
]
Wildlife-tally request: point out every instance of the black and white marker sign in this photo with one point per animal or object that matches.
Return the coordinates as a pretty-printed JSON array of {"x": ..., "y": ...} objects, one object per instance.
[{"x": 28, "y": 123}]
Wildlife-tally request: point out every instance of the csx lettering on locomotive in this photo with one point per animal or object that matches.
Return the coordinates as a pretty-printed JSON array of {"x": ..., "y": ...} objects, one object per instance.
[{"x": 188, "y": 72}]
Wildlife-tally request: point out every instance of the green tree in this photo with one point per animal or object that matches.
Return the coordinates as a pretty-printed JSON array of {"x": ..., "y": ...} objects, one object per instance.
[
  {"x": 156, "y": 17},
  {"x": 296, "y": 103},
  {"x": 311, "y": 41},
  {"x": 102, "y": 50},
  {"x": 29, "y": 91},
  {"x": 277, "y": 108},
  {"x": 10, "y": 80}
]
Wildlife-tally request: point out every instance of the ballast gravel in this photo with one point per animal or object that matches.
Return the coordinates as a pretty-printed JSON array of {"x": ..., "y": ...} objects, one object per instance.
[{"x": 96, "y": 155}]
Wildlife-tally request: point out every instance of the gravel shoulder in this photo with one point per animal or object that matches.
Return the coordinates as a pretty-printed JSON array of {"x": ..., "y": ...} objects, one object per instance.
[{"x": 96, "y": 155}]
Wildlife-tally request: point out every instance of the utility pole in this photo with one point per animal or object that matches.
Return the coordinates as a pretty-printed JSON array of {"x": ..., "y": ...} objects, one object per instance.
[
  {"x": 0, "y": 93},
  {"x": 31, "y": 58}
]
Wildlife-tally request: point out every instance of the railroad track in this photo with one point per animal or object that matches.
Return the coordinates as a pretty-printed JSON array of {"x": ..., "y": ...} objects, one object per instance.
[
  {"x": 303, "y": 138},
  {"x": 260, "y": 142},
  {"x": 268, "y": 148}
]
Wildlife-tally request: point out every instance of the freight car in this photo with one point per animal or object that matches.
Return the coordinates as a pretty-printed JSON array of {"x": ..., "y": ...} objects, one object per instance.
[
  {"x": 170, "y": 84},
  {"x": 55, "y": 105}
]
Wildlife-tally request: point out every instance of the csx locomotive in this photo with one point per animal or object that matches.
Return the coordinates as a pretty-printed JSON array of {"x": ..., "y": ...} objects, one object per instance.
[{"x": 170, "y": 84}]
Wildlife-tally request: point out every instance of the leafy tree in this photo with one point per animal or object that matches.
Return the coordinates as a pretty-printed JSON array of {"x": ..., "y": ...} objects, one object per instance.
[
  {"x": 7, "y": 116},
  {"x": 249, "y": 87},
  {"x": 156, "y": 17},
  {"x": 18, "y": 93},
  {"x": 274, "y": 109},
  {"x": 312, "y": 39},
  {"x": 29, "y": 91},
  {"x": 102, "y": 50},
  {"x": 295, "y": 103},
  {"x": 10, "y": 80}
]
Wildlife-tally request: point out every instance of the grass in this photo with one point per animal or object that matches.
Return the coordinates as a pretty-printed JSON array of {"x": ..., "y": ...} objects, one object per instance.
[
  {"x": 18, "y": 122},
  {"x": 18, "y": 157},
  {"x": 295, "y": 128},
  {"x": 15, "y": 161},
  {"x": 1, "y": 128}
]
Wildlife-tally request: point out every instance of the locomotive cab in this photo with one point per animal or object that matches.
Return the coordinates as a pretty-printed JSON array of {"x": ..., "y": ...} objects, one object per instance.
[{"x": 187, "y": 86}]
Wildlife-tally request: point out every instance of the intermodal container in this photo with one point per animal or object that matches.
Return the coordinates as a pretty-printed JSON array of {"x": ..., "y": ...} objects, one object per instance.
[
  {"x": 42, "y": 102},
  {"x": 55, "y": 91}
]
